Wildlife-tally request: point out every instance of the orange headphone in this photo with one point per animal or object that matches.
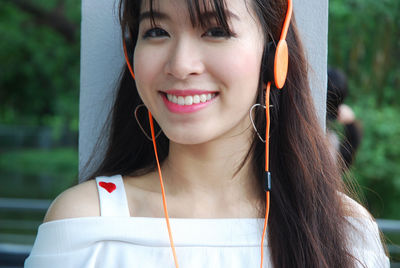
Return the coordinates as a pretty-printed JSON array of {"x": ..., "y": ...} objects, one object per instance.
[{"x": 276, "y": 59}]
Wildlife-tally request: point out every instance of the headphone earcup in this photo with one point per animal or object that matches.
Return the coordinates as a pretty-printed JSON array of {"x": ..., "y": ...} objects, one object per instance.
[
  {"x": 281, "y": 63},
  {"x": 268, "y": 63},
  {"x": 275, "y": 64}
]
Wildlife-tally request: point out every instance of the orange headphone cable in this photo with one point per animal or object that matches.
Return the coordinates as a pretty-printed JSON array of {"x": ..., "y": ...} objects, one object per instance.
[
  {"x": 162, "y": 191},
  {"x": 266, "y": 168},
  {"x": 127, "y": 60},
  {"x": 158, "y": 166}
]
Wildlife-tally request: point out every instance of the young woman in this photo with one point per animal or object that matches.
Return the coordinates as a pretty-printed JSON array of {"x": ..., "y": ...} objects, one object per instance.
[{"x": 199, "y": 70}]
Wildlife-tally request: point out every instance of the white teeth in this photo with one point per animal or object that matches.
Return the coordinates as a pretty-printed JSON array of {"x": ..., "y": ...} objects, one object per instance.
[
  {"x": 203, "y": 97},
  {"x": 181, "y": 100},
  {"x": 189, "y": 100}
]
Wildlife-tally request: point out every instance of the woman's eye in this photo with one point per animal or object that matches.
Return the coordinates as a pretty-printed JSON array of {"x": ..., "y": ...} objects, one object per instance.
[
  {"x": 217, "y": 32},
  {"x": 155, "y": 33}
]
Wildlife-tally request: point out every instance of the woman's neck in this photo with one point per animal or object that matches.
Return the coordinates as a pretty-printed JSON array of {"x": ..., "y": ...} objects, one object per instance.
[{"x": 205, "y": 174}]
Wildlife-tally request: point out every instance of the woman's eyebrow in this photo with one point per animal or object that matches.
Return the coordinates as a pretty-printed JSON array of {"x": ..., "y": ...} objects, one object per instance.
[
  {"x": 163, "y": 16},
  {"x": 155, "y": 14}
]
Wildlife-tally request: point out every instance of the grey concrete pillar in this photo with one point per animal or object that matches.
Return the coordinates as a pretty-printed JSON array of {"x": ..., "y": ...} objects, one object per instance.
[{"x": 102, "y": 61}]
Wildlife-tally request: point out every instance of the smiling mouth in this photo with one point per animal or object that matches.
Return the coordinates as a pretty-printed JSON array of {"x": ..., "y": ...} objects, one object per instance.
[{"x": 187, "y": 100}]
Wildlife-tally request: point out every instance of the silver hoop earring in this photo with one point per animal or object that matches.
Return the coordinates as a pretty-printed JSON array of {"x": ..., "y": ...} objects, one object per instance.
[
  {"x": 252, "y": 121},
  {"x": 140, "y": 125}
]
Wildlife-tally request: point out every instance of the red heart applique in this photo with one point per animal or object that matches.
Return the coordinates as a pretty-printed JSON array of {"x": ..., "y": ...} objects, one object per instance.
[{"x": 109, "y": 186}]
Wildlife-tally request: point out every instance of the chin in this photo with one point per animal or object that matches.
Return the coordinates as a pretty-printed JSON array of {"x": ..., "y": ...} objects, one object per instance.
[{"x": 189, "y": 138}]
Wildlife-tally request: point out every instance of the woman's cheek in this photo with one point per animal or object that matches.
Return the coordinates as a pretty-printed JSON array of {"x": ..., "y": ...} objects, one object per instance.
[
  {"x": 237, "y": 66},
  {"x": 144, "y": 64}
]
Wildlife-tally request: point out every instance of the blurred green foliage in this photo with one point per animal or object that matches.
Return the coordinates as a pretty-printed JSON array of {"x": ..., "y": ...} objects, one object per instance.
[
  {"x": 377, "y": 165},
  {"x": 364, "y": 42},
  {"x": 39, "y": 91},
  {"x": 39, "y": 64}
]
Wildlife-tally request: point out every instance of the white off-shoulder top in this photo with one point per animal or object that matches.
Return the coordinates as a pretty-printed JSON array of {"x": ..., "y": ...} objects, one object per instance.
[{"x": 117, "y": 240}]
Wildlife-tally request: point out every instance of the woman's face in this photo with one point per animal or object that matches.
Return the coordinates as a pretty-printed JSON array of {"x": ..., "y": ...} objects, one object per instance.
[{"x": 199, "y": 84}]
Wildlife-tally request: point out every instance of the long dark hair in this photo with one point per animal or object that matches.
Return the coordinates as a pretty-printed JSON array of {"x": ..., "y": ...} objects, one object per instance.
[{"x": 307, "y": 226}]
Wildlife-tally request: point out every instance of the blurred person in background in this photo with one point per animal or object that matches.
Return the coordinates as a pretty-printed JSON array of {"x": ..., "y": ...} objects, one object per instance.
[{"x": 338, "y": 112}]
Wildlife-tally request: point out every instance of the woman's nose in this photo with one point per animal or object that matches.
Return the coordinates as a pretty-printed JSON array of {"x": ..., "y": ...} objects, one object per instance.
[{"x": 185, "y": 59}]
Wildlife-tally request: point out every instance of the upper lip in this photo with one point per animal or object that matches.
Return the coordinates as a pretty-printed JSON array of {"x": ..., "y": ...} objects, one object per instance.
[{"x": 187, "y": 92}]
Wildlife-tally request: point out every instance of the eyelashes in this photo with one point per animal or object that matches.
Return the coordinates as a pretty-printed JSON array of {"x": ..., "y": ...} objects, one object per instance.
[
  {"x": 213, "y": 32},
  {"x": 155, "y": 33},
  {"x": 218, "y": 32}
]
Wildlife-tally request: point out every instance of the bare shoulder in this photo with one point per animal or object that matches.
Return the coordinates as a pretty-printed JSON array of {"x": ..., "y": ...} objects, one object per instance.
[{"x": 81, "y": 200}]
